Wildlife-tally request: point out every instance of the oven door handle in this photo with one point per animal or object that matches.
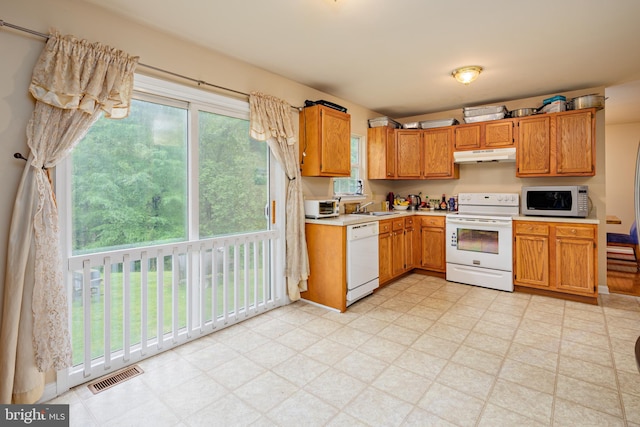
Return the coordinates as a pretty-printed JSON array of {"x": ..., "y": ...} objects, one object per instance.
[{"x": 497, "y": 222}]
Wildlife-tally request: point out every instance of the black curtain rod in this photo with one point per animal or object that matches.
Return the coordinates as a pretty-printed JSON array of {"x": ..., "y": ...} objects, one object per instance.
[{"x": 198, "y": 82}]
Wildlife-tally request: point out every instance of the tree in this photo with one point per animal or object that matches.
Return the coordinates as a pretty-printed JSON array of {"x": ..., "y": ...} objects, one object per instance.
[
  {"x": 130, "y": 179},
  {"x": 129, "y": 189}
]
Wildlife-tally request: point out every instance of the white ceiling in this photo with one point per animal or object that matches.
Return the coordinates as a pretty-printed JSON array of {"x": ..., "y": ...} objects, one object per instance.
[{"x": 396, "y": 57}]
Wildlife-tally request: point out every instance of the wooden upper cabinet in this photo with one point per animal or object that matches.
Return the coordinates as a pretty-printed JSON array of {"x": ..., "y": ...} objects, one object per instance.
[
  {"x": 557, "y": 144},
  {"x": 477, "y": 136},
  {"x": 325, "y": 138},
  {"x": 409, "y": 154},
  {"x": 467, "y": 137},
  {"x": 499, "y": 134},
  {"x": 381, "y": 153},
  {"x": 438, "y": 154},
  {"x": 533, "y": 151},
  {"x": 554, "y": 144},
  {"x": 575, "y": 143}
]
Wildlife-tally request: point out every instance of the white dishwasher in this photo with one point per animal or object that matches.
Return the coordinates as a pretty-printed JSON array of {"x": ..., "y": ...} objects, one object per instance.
[{"x": 362, "y": 260}]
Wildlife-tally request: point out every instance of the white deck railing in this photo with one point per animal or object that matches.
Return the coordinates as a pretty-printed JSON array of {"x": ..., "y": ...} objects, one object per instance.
[{"x": 129, "y": 304}]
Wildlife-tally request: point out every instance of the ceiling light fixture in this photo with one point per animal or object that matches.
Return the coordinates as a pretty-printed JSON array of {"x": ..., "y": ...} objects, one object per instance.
[{"x": 466, "y": 75}]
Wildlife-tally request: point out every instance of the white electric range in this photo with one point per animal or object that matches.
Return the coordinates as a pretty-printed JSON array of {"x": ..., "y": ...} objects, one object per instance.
[{"x": 479, "y": 240}]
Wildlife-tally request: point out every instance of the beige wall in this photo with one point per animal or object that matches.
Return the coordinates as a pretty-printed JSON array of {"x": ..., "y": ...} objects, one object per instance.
[{"x": 622, "y": 146}]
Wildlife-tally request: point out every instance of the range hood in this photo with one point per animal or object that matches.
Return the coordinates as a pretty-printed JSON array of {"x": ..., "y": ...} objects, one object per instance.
[{"x": 492, "y": 155}]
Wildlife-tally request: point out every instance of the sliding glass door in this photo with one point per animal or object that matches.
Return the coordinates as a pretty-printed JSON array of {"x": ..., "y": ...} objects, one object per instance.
[{"x": 167, "y": 228}]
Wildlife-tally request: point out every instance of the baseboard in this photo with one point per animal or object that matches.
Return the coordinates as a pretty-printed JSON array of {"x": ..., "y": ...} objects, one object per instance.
[
  {"x": 554, "y": 294},
  {"x": 50, "y": 392}
]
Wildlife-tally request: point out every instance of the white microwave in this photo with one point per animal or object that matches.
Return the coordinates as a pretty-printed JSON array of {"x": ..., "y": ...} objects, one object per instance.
[
  {"x": 326, "y": 208},
  {"x": 556, "y": 200}
]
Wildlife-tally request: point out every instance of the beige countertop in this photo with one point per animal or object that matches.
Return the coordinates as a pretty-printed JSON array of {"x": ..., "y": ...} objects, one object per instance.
[
  {"x": 351, "y": 219},
  {"x": 588, "y": 220}
]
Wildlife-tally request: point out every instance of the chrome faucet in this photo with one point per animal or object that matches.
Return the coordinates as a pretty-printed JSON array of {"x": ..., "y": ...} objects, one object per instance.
[{"x": 363, "y": 208}]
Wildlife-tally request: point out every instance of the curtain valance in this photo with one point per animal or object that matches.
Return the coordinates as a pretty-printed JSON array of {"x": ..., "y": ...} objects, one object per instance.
[
  {"x": 77, "y": 74},
  {"x": 270, "y": 118}
]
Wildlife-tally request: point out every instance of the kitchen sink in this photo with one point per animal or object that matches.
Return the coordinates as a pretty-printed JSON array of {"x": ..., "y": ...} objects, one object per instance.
[{"x": 374, "y": 213}]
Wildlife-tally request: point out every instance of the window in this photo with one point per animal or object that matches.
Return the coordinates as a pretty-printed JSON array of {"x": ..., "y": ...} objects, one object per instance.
[
  {"x": 352, "y": 186},
  {"x": 129, "y": 180},
  {"x": 233, "y": 180},
  {"x": 168, "y": 235}
]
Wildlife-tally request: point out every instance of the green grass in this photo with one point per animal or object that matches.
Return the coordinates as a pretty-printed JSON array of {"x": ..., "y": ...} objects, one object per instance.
[{"x": 135, "y": 312}]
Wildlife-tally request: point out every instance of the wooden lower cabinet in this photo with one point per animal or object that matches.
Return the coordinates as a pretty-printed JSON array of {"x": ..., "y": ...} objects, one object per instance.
[
  {"x": 397, "y": 248},
  {"x": 557, "y": 257},
  {"x": 432, "y": 243},
  {"x": 531, "y": 251},
  {"x": 385, "y": 252},
  {"x": 327, "y": 284},
  {"x": 409, "y": 244},
  {"x": 576, "y": 259}
]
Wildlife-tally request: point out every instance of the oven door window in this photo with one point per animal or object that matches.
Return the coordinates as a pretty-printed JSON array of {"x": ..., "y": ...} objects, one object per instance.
[{"x": 485, "y": 241}]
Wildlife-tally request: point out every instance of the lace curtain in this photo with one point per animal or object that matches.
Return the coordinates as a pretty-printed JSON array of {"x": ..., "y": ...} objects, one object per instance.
[
  {"x": 270, "y": 121},
  {"x": 73, "y": 82}
]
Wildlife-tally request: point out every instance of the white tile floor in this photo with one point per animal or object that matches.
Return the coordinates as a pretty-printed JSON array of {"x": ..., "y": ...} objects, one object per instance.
[{"x": 421, "y": 351}]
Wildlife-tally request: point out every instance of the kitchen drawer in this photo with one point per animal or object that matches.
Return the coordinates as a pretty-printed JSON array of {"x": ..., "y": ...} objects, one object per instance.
[
  {"x": 408, "y": 222},
  {"x": 433, "y": 221},
  {"x": 398, "y": 224},
  {"x": 529, "y": 228},
  {"x": 384, "y": 227},
  {"x": 575, "y": 231}
]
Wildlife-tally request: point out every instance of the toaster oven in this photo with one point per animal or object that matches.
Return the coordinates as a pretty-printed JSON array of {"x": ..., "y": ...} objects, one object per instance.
[{"x": 326, "y": 208}]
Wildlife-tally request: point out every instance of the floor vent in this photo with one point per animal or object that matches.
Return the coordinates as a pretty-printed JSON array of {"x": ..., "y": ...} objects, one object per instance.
[{"x": 114, "y": 379}]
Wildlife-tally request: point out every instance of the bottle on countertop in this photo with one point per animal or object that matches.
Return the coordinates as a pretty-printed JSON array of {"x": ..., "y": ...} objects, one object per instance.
[
  {"x": 443, "y": 203},
  {"x": 452, "y": 204}
]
